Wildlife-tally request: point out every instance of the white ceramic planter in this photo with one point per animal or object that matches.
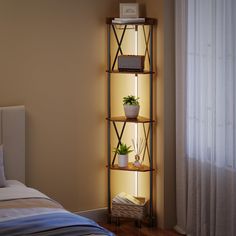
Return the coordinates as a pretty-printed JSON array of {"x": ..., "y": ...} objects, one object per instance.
[
  {"x": 123, "y": 160},
  {"x": 131, "y": 111}
]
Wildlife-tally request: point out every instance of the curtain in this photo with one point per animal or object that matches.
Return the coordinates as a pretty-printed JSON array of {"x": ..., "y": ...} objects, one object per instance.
[{"x": 206, "y": 117}]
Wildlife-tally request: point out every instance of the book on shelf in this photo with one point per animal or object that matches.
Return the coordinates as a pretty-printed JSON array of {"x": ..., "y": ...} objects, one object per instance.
[
  {"x": 125, "y": 198},
  {"x": 128, "y": 20}
]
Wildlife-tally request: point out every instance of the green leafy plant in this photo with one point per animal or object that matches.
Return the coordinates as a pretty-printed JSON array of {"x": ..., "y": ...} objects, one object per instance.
[
  {"x": 130, "y": 100},
  {"x": 123, "y": 149}
]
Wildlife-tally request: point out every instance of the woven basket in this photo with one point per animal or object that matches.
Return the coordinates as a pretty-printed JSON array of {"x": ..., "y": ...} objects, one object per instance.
[{"x": 130, "y": 210}]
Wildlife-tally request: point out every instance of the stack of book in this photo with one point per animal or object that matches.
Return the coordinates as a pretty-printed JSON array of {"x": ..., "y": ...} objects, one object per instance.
[
  {"x": 125, "y": 198},
  {"x": 128, "y": 20},
  {"x": 125, "y": 205}
]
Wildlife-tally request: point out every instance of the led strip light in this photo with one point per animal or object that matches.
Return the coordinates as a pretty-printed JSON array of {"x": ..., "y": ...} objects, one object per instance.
[{"x": 136, "y": 94}]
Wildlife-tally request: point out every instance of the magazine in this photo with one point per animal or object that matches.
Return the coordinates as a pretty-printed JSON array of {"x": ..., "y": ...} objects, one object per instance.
[
  {"x": 128, "y": 20},
  {"x": 125, "y": 198}
]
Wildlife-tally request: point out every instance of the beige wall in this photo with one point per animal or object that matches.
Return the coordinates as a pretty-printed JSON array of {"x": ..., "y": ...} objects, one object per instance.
[{"x": 53, "y": 58}]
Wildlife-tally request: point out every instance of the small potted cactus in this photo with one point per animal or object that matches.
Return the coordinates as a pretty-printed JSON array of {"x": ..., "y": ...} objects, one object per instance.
[
  {"x": 123, "y": 150},
  {"x": 131, "y": 106}
]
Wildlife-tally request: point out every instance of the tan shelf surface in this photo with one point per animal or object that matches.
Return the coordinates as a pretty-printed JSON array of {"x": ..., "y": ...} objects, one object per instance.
[
  {"x": 145, "y": 72},
  {"x": 131, "y": 167},
  {"x": 139, "y": 119}
]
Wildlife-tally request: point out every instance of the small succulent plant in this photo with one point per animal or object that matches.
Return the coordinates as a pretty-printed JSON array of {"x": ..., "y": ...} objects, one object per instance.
[
  {"x": 123, "y": 149},
  {"x": 130, "y": 100}
]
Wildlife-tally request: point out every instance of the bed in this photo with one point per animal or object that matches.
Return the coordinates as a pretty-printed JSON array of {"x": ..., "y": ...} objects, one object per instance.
[{"x": 24, "y": 210}]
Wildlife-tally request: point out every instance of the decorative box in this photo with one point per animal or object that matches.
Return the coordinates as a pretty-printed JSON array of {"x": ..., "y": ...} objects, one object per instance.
[{"x": 130, "y": 63}]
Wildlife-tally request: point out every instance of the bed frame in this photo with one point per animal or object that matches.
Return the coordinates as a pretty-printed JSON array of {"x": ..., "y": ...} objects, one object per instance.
[{"x": 12, "y": 136}]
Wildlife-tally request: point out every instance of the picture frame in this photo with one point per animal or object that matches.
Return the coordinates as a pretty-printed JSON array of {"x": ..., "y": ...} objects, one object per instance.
[{"x": 129, "y": 10}]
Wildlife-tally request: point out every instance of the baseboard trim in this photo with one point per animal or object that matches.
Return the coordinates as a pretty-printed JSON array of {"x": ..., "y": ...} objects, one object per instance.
[
  {"x": 98, "y": 215},
  {"x": 179, "y": 230}
]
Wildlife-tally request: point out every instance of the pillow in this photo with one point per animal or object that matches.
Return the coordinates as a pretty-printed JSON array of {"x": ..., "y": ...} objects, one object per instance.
[{"x": 2, "y": 175}]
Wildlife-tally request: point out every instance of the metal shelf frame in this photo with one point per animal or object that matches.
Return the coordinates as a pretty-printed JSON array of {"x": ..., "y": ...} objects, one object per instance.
[{"x": 111, "y": 63}]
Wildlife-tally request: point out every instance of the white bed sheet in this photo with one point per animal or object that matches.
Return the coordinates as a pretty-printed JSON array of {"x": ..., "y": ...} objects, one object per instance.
[{"x": 17, "y": 190}]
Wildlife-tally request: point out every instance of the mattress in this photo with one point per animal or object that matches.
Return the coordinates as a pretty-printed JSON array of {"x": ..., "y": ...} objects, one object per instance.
[{"x": 26, "y": 211}]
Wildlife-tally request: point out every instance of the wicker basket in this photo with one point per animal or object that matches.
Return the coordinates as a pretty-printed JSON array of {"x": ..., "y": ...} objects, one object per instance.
[{"x": 130, "y": 210}]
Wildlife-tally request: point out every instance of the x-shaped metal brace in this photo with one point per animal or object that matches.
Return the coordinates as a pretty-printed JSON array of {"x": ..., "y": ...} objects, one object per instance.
[
  {"x": 146, "y": 43},
  {"x": 119, "y": 136},
  {"x": 146, "y": 136},
  {"x": 119, "y": 42}
]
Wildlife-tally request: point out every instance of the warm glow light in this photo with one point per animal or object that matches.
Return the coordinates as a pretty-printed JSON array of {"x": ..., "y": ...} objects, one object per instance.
[{"x": 136, "y": 94}]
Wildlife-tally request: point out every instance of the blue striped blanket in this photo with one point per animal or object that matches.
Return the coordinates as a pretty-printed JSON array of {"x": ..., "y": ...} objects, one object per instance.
[{"x": 50, "y": 224}]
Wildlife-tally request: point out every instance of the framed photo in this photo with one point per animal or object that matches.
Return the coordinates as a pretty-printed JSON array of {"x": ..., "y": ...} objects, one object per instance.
[{"x": 129, "y": 10}]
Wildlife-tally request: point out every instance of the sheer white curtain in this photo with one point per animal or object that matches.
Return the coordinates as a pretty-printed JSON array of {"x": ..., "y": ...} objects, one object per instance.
[{"x": 206, "y": 116}]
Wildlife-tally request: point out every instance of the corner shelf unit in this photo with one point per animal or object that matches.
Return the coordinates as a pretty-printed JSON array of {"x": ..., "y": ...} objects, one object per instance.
[{"x": 147, "y": 29}]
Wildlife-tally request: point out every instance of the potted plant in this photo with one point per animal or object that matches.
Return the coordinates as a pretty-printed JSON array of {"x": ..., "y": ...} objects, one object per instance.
[
  {"x": 131, "y": 106},
  {"x": 123, "y": 150}
]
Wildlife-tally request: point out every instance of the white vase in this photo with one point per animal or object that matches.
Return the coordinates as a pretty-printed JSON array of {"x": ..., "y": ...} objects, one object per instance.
[
  {"x": 123, "y": 160},
  {"x": 131, "y": 111}
]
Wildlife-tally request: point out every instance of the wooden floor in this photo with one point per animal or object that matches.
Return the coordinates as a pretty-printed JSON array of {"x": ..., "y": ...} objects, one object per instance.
[{"x": 129, "y": 229}]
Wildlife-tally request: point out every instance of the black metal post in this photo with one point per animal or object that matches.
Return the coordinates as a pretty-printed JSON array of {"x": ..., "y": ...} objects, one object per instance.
[
  {"x": 109, "y": 115},
  {"x": 151, "y": 124}
]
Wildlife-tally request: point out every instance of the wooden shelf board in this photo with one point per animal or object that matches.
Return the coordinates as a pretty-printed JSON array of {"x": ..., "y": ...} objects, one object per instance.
[
  {"x": 131, "y": 167},
  {"x": 145, "y": 72},
  {"x": 140, "y": 119},
  {"x": 148, "y": 21}
]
